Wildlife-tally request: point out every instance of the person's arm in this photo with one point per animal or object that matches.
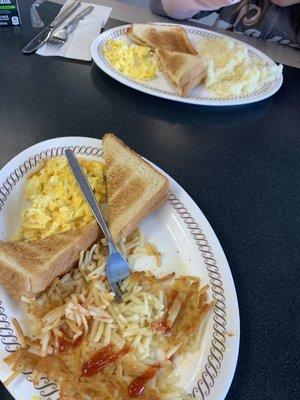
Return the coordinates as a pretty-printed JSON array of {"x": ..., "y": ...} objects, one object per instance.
[
  {"x": 157, "y": 7},
  {"x": 183, "y": 9},
  {"x": 285, "y": 3}
]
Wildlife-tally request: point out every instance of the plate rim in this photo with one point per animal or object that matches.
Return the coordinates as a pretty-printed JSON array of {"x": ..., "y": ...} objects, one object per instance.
[
  {"x": 203, "y": 387},
  {"x": 140, "y": 86}
]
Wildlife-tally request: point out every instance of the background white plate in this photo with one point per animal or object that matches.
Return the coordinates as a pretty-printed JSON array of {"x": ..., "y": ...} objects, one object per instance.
[
  {"x": 188, "y": 243},
  {"x": 160, "y": 87}
]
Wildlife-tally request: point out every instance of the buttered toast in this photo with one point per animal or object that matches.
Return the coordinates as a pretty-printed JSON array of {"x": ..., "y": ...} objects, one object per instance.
[
  {"x": 135, "y": 188},
  {"x": 172, "y": 38},
  {"x": 185, "y": 71},
  {"x": 28, "y": 268}
]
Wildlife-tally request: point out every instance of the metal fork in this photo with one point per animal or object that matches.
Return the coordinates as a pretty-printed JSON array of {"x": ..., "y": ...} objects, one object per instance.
[
  {"x": 117, "y": 267},
  {"x": 61, "y": 36}
]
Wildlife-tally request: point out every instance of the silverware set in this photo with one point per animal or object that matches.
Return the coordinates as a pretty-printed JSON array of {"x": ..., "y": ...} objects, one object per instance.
[{"x": 60, "y": 36}]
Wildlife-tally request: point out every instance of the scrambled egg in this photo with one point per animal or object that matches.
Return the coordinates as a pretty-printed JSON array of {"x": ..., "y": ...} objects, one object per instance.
[
  {"x": 56, "y": 202},
  {"x": 230, "y": 68},
  {"x": 132, "y": 60}
]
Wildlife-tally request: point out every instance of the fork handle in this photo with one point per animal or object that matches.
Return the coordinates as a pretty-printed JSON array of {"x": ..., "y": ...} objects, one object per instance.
[
  {"x": 79, "y": 16},
  {"x": 88, "y": 194}
]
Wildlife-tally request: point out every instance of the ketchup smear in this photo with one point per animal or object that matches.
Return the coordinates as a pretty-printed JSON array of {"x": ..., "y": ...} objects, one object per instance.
[
  {"x": 162, "y": 326},
  {"x": 65, "y": 344},
  {"x": 138, "y": 385},
  {"x": 101, "y": 359}
]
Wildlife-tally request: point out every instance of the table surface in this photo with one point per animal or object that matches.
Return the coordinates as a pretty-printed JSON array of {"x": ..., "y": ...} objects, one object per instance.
[{"x": 239, "y": 164}]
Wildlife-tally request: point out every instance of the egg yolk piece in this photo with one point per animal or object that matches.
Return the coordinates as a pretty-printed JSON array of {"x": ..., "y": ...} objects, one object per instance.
[
  {"x": 55, "y": 201},
  {"x": 131, "y": 60}
]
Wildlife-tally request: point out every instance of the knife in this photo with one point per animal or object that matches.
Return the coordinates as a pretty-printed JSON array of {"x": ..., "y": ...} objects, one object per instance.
[{"x": 44, "y": 35}]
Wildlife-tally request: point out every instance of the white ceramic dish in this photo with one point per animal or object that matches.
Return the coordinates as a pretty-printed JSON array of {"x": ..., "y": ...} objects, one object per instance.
[
  {"x": 188, "y": 243},
  {"x": 160, "y": 87}
]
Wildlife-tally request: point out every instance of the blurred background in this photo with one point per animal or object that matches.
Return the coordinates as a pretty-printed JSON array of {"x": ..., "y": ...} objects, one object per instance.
[{"x": 139, "y": 3}]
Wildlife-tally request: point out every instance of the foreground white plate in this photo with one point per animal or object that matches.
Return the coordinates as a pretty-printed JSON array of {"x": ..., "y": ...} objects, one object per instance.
[
  {"x": 188, "y": 243},
  {"x": 160, "y": 87}
]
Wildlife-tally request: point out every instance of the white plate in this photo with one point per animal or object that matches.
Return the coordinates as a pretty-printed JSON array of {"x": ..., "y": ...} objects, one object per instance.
[
  {"x": 160, "y": 87},
  {"x": 188, "y": 243}
]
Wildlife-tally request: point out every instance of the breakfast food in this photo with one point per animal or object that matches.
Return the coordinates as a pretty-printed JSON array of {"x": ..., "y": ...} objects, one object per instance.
[
  {"x": 55, "y": 201},
  {"x": 26, "y": 269},
  {"x": 175, "y": 56},
  {"x": 76, "y": 333},
  {"x": 95, "y": 347},
  {"x": 227, "y": 68},
  {"x": 185, "y": 71},
  {"x": 231, "y": 69},
  {"x": 135, "y": 188},
  {"x": 171, "y": 38},
  {"x": 133, "y": 61}
]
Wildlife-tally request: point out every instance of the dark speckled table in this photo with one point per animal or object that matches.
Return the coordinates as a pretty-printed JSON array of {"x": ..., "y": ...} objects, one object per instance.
[{"x": 241, "y": 166}]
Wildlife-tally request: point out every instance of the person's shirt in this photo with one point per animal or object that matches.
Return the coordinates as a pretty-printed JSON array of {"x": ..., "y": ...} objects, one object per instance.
[{"x": 278, "y": 24}]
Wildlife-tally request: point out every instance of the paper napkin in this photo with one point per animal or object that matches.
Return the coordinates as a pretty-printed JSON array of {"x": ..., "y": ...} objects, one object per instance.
[{"x": 80, "y": 35}]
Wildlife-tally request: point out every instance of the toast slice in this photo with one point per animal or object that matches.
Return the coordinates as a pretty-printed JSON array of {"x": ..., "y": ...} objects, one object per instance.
[
  {"x": 172, "y": 38},
  {"x": 135, "y": 189},
  {"x": 28, "y": 268},
  {"x": 185, "y": 71}
]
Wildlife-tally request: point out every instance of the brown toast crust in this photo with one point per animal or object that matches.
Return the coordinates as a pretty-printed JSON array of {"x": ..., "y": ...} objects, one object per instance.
[
  {"x": 174, "y": 50},
  {"x": 130, "y": 194},
  {"x": 134, "y": 38},
  {"x": 185, "y": 71},
  {"x": 172, "y": 41},
  {"x": 172, "y": 38},
  {"x": 15, "y": 283},
  {"x": 152, "y": 206},
  {"x": 28, "y": 268},
  {"x": 189, "y": 86}
]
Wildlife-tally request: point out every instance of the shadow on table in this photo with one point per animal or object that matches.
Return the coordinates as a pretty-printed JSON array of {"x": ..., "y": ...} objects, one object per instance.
[{"x": 172, "y": 111}]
